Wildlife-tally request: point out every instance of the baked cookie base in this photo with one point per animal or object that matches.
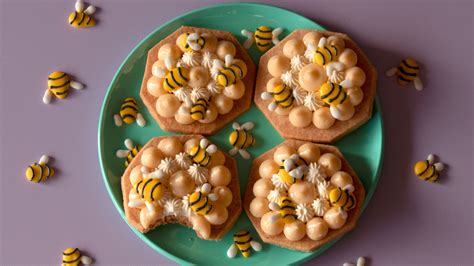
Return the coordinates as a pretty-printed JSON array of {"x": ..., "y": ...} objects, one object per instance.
[
  {"x": 306, "y": 244},
  {"x": 217, "y": 231}
]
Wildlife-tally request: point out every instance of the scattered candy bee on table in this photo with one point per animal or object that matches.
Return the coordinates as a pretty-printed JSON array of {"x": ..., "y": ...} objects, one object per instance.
[
  {"x": 343, "y": 197},
  {"x": 130, "y": 153},
  {"x": 129, "y": 113},
  {"x": 241, "y": 139},
  {"x": 201, "y": 154},
  {"x": 199, "y": 201},
  {"x": 407, "y": 71},
  {"x": 233, "y": 70},
  {"x": 150, "y": 189},
  {"x": 428, "y": 170},
  {"x": 58, "y": 86},
  {"x": 360, "y": 262},
  {"x": 263, "y": 37},
  {"x": 286, "y": 210},
  {"x": 73, "y": 257},
  {"x": 243, "y": 241},
  {"x": 82, "y": 18},
  {"x": 39, "y": 172}
]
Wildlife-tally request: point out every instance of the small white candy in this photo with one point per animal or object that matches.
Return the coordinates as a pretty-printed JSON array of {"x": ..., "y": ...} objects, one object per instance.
[{"x": 361, "y": 261}]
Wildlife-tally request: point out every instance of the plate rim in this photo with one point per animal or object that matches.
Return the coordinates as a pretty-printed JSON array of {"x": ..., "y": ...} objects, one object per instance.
[{"x": 101, "y": 125}]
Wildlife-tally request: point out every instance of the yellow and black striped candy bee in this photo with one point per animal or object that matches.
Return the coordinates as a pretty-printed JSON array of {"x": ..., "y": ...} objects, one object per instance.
[
  {"x": 287, "y": 210},
  {"x": 263, "y": 38},
  {"x": 200, "y": 203},
  {"x": 149, "y": 189},
  {"x": 58, "y": 84},
  {"x": 326, "y": 54},
  {"x": 199, "y": 108},
  {"x": 82, "y": 18},
  {"x": 191, "y": 41},
  {"x": 39, "y": 172},
  {"x": 428, "y": 170},
  {"x": 129, "y": 110},
  {"x": 332, "y": 93},
  {"x": 241, "y": 139},
  {"x": 282, "y": 96},
  {"x": 199, "y": 155},
  {"x": 230, "y": 75},
  {"x": 342, "y": 198},
  {"x": 176, "y": 78},
  {"x": 407, "y": 71},
  {"x": 73, "y": 257},
  {"x": 242, "y": 241},
  {"x": 132, "y": 154}
]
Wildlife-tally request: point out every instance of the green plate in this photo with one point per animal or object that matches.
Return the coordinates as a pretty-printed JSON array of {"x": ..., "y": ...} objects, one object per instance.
[{"x": 363, "y": 148}]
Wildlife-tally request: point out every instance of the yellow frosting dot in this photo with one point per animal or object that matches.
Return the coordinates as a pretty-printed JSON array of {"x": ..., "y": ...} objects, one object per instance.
[
  {"x": 269, "y": 227},
  {"x": 167, "y": 105},
  {"x": 317, "y": 228},
  {"x": 235, "y": 91},
  {"x": 262, "y": 187},
  {"x": 259, "y": 206},
  {"x": 268, "y": 168},
  {"x": 331, "y": 163},
  {"x": 170, "y": 146},
  {"x": 224, "y": 48},
  {"x": 278, "y": 65},
  {"x": 282, "y": 153},
  {"x": 295, "y": 231},
  {"x": 309, "y": 152},
  {"x": 219, "y": 176},
  {"x": 300, "y": 116},
  {"x": 218, "y": 215},
  {"x": 151, "y": 157},
  {"x": 322, "y": 118}
]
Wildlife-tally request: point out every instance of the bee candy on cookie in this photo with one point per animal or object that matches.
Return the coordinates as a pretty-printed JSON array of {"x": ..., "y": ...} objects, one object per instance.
[
  {"x": 129, "y": 113},
  {"x": 428, "y": 170},
  {"x": 243, "y": 242},
  {"x": 73, "y": 257},
  {"x": 82, "y": 18},
  {"x": 39, "y": 172},
  {"x": 407, "y": 71},
  {"x": 58, "y": 86},
  {"x": 201, "y": 154}
]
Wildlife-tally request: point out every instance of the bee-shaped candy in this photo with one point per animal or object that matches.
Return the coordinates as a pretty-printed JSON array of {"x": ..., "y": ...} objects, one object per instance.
[
  {"x": 150, "y": 189},
  {"x": 324, "y": 54},
  {"x": 293, "y": 169},
  {"x": 428, "y": 170},
  {"x": 282, "y": 96},
  {"x": 58, "y": 85},
  {"x": 201, "y": 154},
  {"x": 241, "y": 139},
  {"x": 233, "y": 71},
  {"x": 332, "y": 93},
  {"x": 82, "y": 18},
  {"x": 73, "y": 256},
  {"x": 343, "y": 197},
  {"x": 129, "y": 113},
  {"x": 193, "y": 41},
  {"x": 39, "y": 172},
  {"x": 243, "y": 241},
  {"x": 263, "y": 37},
  {"x": 286, "y": 210},
  {"x": 406, "y": 72},
  {"x": 199, "y": 108},
  {"x": 174, "y": 77},
  {"x": 199, "y": 201},
  {"x": 130, "y": 152}
]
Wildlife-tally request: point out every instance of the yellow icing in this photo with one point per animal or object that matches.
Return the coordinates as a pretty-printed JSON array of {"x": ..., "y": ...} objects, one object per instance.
[{"x": 58, "y": 84}]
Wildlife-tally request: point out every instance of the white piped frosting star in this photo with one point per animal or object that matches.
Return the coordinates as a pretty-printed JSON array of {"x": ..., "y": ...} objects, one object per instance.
[
  {"x": 279, "y": 183},
  {"x": 304, "y": 212},
  {"x": 289, "y": 78},
  {"x": 172, "y": 207},
  {"x": 316, "y": 173},
  {"x": 198, "y": 173},
  {"x": 323, "y": 189},
  {"x": 182, "y": 94},
  {"x": 309, "y": 53},
  {"x": 166, "y": 196},
  {"x": 275, "y": 195},
  {"x": 299, "y": 94},
  {"x": 168, "y": 166},
  {"x": 298, "y": 62},
  {"x": 214, "y": 88},
  {"x": 185, "y": 205},
  {"x": 198, "y": 93},
  {"x": 207, "y": 59},
  {"x": 191, "y": 58},
  {"x": 320, "y": 206},
  {"x": 183, "y": 160},
  {"x": 312, "y": 102}
]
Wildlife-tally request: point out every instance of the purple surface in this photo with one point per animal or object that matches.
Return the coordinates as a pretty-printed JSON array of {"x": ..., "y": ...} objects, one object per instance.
[{"x": 408, "y": 222}]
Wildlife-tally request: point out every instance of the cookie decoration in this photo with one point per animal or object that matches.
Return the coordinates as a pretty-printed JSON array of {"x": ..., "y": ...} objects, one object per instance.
[
  {"x": 182, "y": 179},
  {"x": 39, "y": 172},
  {"x": 301, "y": 195},
  {"x": 130, "y": 153},
  {"x": 129, "y": 113},
  {"x": 243, "y": 242},
  {"x": 406, "y": 72},
  {"x": 82, "y": 18},
  {"x": 196, "y": 80},
  {"x": 241, "y": 139},
  {"x": 315, "y": 86},
  {"x": 263, "y": 37},
  {"x": 74, "y": 257},
  {"x": 428, "y": 170},
  {"x": 58, "y": 86},
  {"x": 360, "y": 262}
]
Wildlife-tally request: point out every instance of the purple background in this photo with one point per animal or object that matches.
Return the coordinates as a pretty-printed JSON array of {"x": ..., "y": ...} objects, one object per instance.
[{"x": 407, "y": 221}]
